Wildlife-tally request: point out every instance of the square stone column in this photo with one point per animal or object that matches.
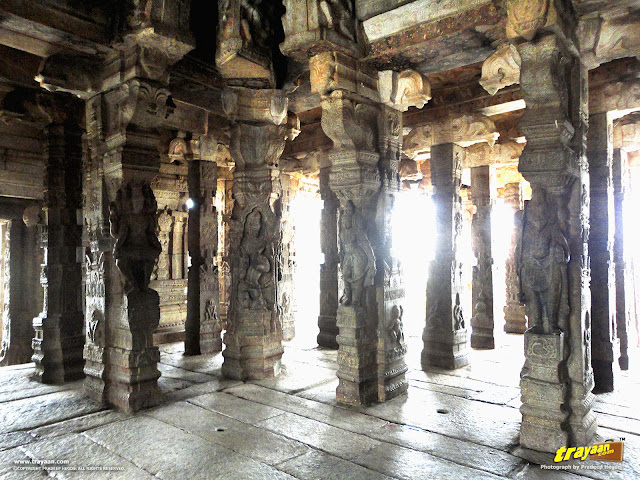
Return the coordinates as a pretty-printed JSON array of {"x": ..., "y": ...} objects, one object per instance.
[
  {"x": 253, "y": 338},
  {"x": 203, "y": 326},
  {"x": 483, "y": 193},
  {"x": 445, "y": 333},
  {"x": 59, "y": 337},
  {"x": 514, "y": 311},
  {"x": 553, "y": 258},
  {"x": 328, "y": 269},
  {"x": 604, "y": 344},
  {"x": 623, "y": 275},
  {"x": 286, "y": 287}
]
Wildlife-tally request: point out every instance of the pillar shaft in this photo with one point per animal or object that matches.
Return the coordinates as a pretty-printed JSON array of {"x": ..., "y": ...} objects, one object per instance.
[
  {"x": 556, "y": 380},
  {"x": 623, "y": 274},
  {"x": 203, "y": 326},
  {"x": 59, "y": 338},
  {"x": 329, "y": 269},
  {"x": 445, "y": 332},
  {"x": 254, "y": 330},
  {"x": 286, "y": 296},
  {"x": 514, "y": 311},
  {"x": 483, "y": 192},
  {"x": 603, "y": 290}
]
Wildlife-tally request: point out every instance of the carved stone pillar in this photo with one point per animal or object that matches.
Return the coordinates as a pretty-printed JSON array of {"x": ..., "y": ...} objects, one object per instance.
[
  {"x": 514, "y": 311},
  {"x": 445, "y": 332},
  {"x": 254, "y": 330},
  {"x": 603, "y": 290},
  {"x": 59, "y": 339},
  {"x": 165, "y": 227},
  {"x": 483, "y": 192},
  {"x": 556, "y": 380},
  {"x": 329, "y": 269},
  {"x": 225, "y": 202},
  {"x": 286, "y": 297},
  {"x": 21, "y": 278},
  {"x": 177, "y": 253},
  {"x": 203, "y": 326},
  {"x": 624, "y": 279}
]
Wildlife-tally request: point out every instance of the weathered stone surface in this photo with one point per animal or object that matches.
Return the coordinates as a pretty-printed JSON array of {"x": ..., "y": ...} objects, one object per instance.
[
  {"x": 317, "y": 464},
  {"x": 235, "y": 407}
]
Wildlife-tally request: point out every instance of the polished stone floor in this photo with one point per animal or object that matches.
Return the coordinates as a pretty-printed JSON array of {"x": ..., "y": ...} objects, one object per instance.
[{"x": 452, "y": 425}]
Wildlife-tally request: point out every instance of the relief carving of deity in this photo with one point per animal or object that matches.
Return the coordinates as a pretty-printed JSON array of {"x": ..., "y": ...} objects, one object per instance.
[
  {"x": 256, "y": 289},
  {"x": 542, "y": 256},
  {"x": 132, "y": 218},
  {"x": 357, "y": 259}
]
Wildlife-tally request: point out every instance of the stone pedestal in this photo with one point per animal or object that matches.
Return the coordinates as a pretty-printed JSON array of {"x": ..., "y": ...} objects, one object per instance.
[
  {"x": 356, "y": 357},
  {"x": 624, "y": 277},
  {"x": 601, "y": 235},
  {"x": 544, "y": 386},
  {"x": 514, "y": 312},
  {"x": 329, "y": 269},
  {"x": 203, "y": 327},
  {"x": 445, "y": 333},
  {"x": 59, "y": 339},
  {"x": 483, "y": 192}
]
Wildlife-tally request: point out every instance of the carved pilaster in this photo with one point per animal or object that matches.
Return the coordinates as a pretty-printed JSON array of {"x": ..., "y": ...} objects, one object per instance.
[
  {"x": 445, "y": 333},
  {"x": 59, "y": 338},
  {"x": 177, "y": 254},
  {"x": 329, "y": 269},
  {"x": 604, "y": 344},
  {"x": 623, "y": 274},
  {"x": 203, "y": 326},
  {"x": 286, "y": 297},
  {"x": 254, "y": 330},
  {"x": 225, "y": 201},
  {"x": 553, "y": 254},
  {"x": 514, "y": 312},
  {"x": 483, "y": 192}
]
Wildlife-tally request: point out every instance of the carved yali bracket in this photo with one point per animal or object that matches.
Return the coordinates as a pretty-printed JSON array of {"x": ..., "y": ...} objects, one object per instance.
[
  {"x": 604, "y": 40},
  {"x": 500, "y": 154},
  {"x": 179, "y": 149},
  {"x": 626, "y": 133},
  {"x": 501, "y": 69},
  {"x": 330, "y": 71},
  {"x": 255, "y": 105},
  {"x": 265, "y": 147},
  {"x": 526, "y": 17},
  {"x": 403, "y": 90},
  {"x": 350, "y": 125}
]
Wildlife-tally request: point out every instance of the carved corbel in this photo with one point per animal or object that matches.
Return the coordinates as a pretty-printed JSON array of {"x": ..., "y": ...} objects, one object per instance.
[
  {"x": 75, "y": 74},
  {"x": 626, "y": 133},
  {"x": 255, "y": 105},
  {"x": 330, "y": 71},
  {"x": 266, "y": 145},
  {"x": 404, "y": 89},
  {"x": 480, "y": 154},
  {"x": 468, "y": 130},
  {"x": 348, "y": 124},
  {"x": 501, "y": 69},
  {"x": 617, "y": 38},
  {"x": 418, "y": 141},
  {"x": 615, "y": 96},
  {"x": 526, "y": 17}
]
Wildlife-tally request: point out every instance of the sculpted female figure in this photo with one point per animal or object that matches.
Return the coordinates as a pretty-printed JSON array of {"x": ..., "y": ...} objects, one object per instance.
[{"x": 132, "y": 218}]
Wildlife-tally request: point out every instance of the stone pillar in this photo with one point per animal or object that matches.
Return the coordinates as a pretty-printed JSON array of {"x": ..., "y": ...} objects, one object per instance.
[
  {"x": 165, "y": 227},
  {"x": 483, "y": 193},
  {"x": 22, "y": 258},
  {"x": 603, "y": 290},
  {"x": 514, "y": 312},
  {"x": 59, "y": 339},
  {"x": 177, "y": 253},
  {"x": 254, "y": 330},
  {"x": 624, "y": 279},
  {"x": 286, "y": 296},
  {"x": 445, "y": 333},
  {"x": 203, "y": 326},
  {"x": 225, "y": 202},
  {"x": 553, "y": 261},
  {"x": 329, "y": 269}
]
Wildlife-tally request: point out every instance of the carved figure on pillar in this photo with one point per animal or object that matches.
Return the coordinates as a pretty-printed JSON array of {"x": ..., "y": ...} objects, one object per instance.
[
  {"x": 256, "y": 289},
  {"x": 132, "y": 217},
  {"x": 357, "y": 260},
  {"x": 543, "y": 258}
]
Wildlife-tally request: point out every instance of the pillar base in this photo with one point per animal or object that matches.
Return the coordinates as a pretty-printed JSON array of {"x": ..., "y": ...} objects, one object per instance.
[
  {"x": 514, "y": 318},
  {"x": 482, "y": 338},
  {"x": 602, "y": 375},
  {"x": 94, "y": 384},
  {"x": 254, "y": 347},
  {"x": 357, "y": 369},
  {"x": 391, "y": 374},
  {"x": 133, "y": 378},
  {"x": 210, "y": 338},
  {"x": 444, "y": 349},
  {"x": 58, "y": 358},
  {"x": 544, "y": 389},
  {"x": 328, "y": 332}
]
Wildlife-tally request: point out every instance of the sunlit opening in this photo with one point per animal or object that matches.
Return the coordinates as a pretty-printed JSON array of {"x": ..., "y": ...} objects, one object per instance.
[
  {"x": 413, "y": 226},
  {"x": 305, "y": 212},
  {"x": 189, "y": 203},
  {"x": 501, "y": 233}
]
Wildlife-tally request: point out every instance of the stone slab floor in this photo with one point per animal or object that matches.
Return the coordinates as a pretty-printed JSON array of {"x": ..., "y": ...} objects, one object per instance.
[{"x": 452, "y": 425}]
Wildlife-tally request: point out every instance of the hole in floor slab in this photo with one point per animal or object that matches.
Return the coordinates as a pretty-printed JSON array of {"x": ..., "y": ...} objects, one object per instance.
[
  {"x": 219, "y": 429},
  {"x": 442, "y": 410}
]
